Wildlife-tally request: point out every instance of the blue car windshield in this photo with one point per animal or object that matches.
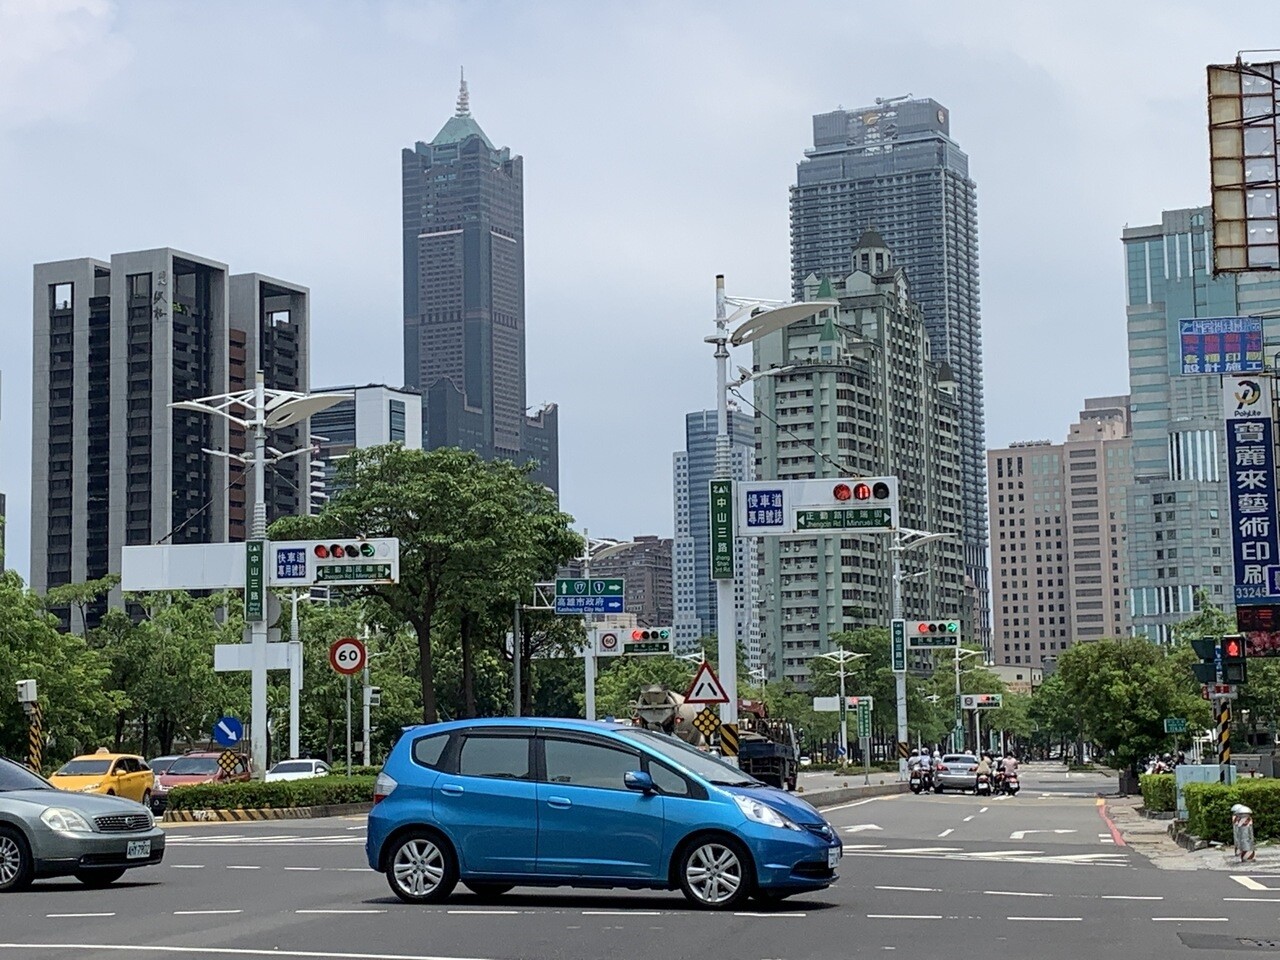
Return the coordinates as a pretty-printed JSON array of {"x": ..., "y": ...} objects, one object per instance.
[
  {"x": 691, "y": 758},
  {"x": 14, "y": 777}
]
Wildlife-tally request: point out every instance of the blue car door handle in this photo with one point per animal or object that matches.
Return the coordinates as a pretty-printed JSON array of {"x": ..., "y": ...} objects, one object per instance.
[
  {"x": 562, "y": 802},
  {"x": 451, "y": 790}
]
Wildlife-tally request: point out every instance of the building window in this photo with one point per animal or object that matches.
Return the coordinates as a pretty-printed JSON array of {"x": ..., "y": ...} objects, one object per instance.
[
  {"x": 60, "y": 296},
  {"x": 396, "y": 424}
]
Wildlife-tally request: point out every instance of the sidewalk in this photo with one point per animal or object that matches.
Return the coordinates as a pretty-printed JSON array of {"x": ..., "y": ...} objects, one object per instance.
[{"x": 1151, "y": 838}]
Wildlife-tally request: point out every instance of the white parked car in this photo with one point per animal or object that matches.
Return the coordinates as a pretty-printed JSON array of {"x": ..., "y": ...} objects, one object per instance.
[{"x": 298, "y": 770}]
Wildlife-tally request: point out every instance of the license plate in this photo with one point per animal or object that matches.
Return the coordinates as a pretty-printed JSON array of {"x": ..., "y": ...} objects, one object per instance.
[
  {"x": 138, "y": 850},
  {"x": 833, "y": 857}
]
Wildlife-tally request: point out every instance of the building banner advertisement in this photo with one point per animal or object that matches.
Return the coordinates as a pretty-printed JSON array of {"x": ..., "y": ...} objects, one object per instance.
[
  {"x": 1221, "y": 345},
  {"x": 1255, "y": 541}
]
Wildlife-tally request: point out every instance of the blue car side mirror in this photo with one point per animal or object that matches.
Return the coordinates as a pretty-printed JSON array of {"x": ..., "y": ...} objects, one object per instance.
[{"x": 637, "y": 780}]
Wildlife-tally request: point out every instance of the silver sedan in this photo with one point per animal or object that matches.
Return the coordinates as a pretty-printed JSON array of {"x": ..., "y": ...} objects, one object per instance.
[
  {"x": 47, "y": 832},
  {"x": 956, "y": 771}
]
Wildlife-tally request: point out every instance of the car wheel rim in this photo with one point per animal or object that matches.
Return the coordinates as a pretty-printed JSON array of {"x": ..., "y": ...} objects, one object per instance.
[
  {"x": 10, "y": 860},
  {"x": 418, "y": 867},
  {"x": 714, "y": 873}
]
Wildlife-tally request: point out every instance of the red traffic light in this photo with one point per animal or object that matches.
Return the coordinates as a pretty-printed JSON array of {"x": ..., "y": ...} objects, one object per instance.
[
  {"x": 322, "y": 551},
  {"x": 841, "y": 491},
  {"x": 1232, "y": 647},
  {"x": 923, "y": 628},
  {"x": 862, "y": 491},
  {"x": 637, "y": 634}
]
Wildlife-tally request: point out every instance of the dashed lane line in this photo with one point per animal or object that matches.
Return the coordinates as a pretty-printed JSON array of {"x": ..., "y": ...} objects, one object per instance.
[
  {"x": 1251, "y": 900},
  {"x": 1190, "y": 919},
  {"x": 205, "y": 913},
  {"x": 1048, "y": 919},
  {"x": 76, "y": 916},
  {"x": 904, "y": 916},
  {"x": 339, "y": 911},
  {"x": 1014, "y": 893},
  {"x": 946, "y": 833},
  {"x": 1126, "y": 896},
  {"x": 913, "y": 889}
]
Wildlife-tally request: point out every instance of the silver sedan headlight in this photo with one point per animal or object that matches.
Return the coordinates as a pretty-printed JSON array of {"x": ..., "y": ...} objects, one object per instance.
[{"x": 65, "y": 821}]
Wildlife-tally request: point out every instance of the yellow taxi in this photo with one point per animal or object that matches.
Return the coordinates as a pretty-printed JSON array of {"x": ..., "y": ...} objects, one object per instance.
[{"x": 112, "y": 774}]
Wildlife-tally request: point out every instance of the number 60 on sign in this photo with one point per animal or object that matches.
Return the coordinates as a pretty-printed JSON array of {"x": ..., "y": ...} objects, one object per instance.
[{"x": 347, "y": 656}]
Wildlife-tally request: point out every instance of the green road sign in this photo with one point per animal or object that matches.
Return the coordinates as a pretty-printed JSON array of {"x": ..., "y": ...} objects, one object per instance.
[
  {"x": 593, "y": 587},
  {"x": 254, "y": 581},
  {"x": 847, "y": 518},
  {"x": 353, "y": 573},
  {"x": 898, "y": 633},
  {"x": 721, "y": 508},
  {"x": 864, "y": 719},
  {"x": 1175, "y": 725}
]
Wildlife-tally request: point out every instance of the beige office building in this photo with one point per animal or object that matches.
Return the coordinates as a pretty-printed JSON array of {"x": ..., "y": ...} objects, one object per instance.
[{"x": 1058, "y": 536}]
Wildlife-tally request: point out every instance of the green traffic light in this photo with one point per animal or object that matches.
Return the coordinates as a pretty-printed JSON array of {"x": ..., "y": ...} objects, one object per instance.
[
  {"x": 953, "y": 627},
  {"x": 366, "y": 550}
]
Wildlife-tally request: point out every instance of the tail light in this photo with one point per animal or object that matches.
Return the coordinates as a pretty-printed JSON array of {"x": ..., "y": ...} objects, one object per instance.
[
  {"x": 382, "y": 787},
  {"x": 973, "y": 769},
  {"x": 943, "y": 768}
]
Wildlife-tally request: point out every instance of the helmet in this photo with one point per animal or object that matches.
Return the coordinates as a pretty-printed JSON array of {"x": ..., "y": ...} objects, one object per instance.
[{"x": 1166, "y": 757}]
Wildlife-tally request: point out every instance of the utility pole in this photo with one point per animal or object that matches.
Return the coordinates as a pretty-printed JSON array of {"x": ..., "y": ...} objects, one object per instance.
[{"x": 258, "y": 623}]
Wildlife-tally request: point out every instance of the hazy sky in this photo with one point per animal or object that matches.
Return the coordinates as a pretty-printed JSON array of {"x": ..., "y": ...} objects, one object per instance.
[{"x": 659, "y": 140}]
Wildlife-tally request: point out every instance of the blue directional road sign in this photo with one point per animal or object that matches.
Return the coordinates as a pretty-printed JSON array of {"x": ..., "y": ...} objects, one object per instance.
[
  {"x": 596, "y": 595},
  {"x": 228, "y": 731}
]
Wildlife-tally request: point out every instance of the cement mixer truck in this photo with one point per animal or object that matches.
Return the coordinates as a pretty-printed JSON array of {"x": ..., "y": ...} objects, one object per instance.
[{"x": 658, "y": 708}]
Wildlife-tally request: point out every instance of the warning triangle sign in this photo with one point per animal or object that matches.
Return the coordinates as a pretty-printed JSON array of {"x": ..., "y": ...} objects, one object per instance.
[{"x": 706, "y": 687}]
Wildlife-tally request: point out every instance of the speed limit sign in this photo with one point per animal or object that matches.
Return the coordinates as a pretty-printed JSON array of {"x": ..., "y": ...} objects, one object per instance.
[{"x": 347, "y": 655}]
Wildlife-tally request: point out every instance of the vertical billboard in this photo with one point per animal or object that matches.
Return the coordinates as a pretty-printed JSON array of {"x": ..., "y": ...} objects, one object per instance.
[{"x": 1251, "y": 485}]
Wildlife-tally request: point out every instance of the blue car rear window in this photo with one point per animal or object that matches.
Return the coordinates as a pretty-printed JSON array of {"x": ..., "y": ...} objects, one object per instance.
[{"x": 428, "y": 750}]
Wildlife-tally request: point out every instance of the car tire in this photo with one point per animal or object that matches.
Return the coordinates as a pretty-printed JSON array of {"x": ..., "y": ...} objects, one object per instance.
[
  {"x": 938, "y": 789},
  {"x": 146, "y": 799},
  {"x": 716, "y": 873},
  {"x": 99, "y": 878},
  {"x": 16, "y": 867},
  {"x": 421, "y": 868},
  {"x": 488, "y": 891}
]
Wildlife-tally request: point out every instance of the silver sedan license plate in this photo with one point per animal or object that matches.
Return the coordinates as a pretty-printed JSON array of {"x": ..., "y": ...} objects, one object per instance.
[
  {"x": 138, "y": 849},
  {"x": 833, "y": 857}
]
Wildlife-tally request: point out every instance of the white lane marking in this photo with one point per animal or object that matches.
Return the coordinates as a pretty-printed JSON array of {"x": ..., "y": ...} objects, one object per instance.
[
  {"x": 1014, "y": 893},
  {"x": 860, "y": 827},
  {"x": 340, "y": 911},
  {"x": 946, "y": 832},
  {"x": 1190, "y": 919},
  {"x": 483, "y": 913},
  {"x": 968, "y": 818},
  {"x": 617, "y": 913},
  {"x": 913, "y": 889},
  {"x": 1050, "y": 919},
  {"x": 927, "y": 850},
  {"x": 305, "y": 869},
  {"x": 186, "y": 866},
  {"x": 203, "y": 913},
  {"x": 984, "y": 809},
  {"x": 1125, "y": 896},
  {"x": 244, "y": 868},
  {"x": 864, "y": 846},
  {"x": 1250, "y": 884},
  {"x": 1022, "y": 834},
  {"x": 846, "y": 806},
  {"x": 131, "y": 948},
  {"x": 771, "y": 915},
  {"x": 60, "y": 916},
  {"x": 904, "y": 916},
  {"x": 1251, "y": 900}
]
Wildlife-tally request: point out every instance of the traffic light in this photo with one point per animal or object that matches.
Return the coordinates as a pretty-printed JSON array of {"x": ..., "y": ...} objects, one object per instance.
[
  {"x": 936, "y": 627},
  {"x": 345, "y": 550},
  {"x": 1206, "y": 649},
  {"x": 861, "y": 491},
  {"x": 643, "y": 634},
  {"x": 1234, "y": 665}
]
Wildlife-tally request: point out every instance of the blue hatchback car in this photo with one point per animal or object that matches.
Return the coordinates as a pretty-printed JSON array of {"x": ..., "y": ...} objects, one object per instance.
[{"x": 508, "y": 802}]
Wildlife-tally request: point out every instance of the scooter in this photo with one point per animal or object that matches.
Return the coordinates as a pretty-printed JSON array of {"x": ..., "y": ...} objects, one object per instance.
[
  {"x": 982, "y": 788},
  {"x": 921, "y": 780},
  {"x": 1009, "y": 784}
]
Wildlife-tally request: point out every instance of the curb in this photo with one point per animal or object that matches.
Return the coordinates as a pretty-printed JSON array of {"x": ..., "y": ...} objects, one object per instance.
[
  {"x": 240, "y": 815},
  {"x": 834, "y": 796}
]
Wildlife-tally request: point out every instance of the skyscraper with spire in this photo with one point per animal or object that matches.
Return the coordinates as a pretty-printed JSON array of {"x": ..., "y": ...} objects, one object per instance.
[{"x": 464, "y": 322}]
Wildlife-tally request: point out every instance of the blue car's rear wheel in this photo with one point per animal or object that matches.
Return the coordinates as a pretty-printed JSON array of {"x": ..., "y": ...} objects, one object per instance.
[
  {"x": 421, "y": 868},
  {"x": 716, "y": 873}
]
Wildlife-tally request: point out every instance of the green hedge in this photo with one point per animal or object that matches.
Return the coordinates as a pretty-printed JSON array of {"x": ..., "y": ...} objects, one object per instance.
[
  {"x": 1209, "y": 808},
  {"x": 1158, "y": 792},
  {"x": 316, "y": 792}
]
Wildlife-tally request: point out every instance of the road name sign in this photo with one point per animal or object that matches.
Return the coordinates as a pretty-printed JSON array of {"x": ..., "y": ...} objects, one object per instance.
[
  {"x": 576, "y": 595},
  {"x": 864, "y": 718},
  {"x": 706, "y": 687},
  {"x": 347, "y": 656},
  {"x": 721, "y": 516},
  {"x": 254, "y": 580},
  {"x": 847, "y": 518},
  {"x": 898, "y": 645},
  {"x": 1175, "y": 725},
  {"x": 931, "y": 634},
  {"x": 228, "y": 731}
]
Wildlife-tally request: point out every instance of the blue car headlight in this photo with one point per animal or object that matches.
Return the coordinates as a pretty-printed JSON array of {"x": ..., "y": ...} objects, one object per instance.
[{"x": 763, "y": 813}]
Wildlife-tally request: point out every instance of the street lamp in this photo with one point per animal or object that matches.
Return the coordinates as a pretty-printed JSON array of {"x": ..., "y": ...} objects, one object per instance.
[
  {"x": 762, "y": 317},
  {"x": 843, "y": 657},
  {"x": 904, "y": 539},
  {"x": 955, "y": 739},
  {"x": 268, "y": 410}
]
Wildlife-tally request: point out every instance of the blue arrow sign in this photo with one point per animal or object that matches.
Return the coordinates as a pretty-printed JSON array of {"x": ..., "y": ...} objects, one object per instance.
[
  {"x": 588, "y": 604},
  {"x": 228, "y": 731}
]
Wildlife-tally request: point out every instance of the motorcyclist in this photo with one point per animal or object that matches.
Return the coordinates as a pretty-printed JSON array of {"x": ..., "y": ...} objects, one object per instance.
[{"x": 984, "y": 765}]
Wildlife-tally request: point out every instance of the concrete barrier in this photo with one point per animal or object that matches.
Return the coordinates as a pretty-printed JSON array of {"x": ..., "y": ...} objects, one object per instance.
[
  {"x": 245, "y": 815},
  {"x": 837, "y": 795}
]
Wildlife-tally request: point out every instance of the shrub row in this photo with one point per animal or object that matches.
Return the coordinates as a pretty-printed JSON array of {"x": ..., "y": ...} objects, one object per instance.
[
  {"x": 1209, "y": 808},
  {"x": 317, "y": 792},
  {"x": 1159, "y": 794}
]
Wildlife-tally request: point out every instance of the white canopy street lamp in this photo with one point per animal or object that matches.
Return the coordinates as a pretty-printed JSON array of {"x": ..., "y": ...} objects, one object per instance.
[
  {"x": 763, "y": 317},
  {"x": 268, "y": 410},
  {"x": 904, "y": 539},
  {"x": 843, "y": 657}
]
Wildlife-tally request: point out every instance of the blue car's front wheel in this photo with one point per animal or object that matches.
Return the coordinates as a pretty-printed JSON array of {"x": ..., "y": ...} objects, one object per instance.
[
  {"x": 716, "y": 873},
  {"x": 421, "y": 868}
]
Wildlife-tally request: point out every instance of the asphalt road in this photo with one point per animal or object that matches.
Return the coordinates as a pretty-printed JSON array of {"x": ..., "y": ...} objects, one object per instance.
[{"x": 1039, "y": 875}]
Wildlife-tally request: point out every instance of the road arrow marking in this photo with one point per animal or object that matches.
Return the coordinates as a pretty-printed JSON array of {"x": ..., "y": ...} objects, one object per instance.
[
  {"x": 859, "y": 827},
  {"x": 1023, "y": 834}
]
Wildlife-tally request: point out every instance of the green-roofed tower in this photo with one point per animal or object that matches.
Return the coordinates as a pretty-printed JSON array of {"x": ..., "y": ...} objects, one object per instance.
[{"x": 464, "y": 323}]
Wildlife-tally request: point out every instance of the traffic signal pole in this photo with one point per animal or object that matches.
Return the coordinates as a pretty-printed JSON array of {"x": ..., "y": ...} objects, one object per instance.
[
  {"x": 258, "y": 625},
  {"x": 726, "y": 615},
  {"x": 899, "y": 679}
]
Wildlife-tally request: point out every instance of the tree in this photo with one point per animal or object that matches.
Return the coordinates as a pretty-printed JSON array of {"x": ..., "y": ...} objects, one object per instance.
[
  {"x": 469, "y": 531},
  {"x": 80, "y": 595},
  {"x": 619, "y": 682}
]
